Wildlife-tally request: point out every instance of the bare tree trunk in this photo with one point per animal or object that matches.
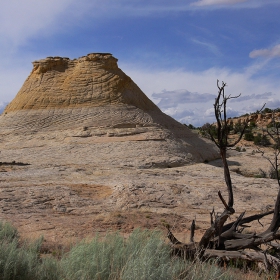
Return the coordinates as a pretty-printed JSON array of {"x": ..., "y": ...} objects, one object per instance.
[
  {"x": 275, "y": 223},
  {"x": 227, "y": 178},
  {"x": 226, "y": 241}
]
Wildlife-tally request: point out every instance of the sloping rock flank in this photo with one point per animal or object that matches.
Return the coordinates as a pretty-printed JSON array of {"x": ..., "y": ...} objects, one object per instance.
[{"x": 90, "y": 97}]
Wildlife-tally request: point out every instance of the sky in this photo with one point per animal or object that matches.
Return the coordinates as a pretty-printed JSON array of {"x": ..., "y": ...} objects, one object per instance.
[{"x": 175, "y": 51}]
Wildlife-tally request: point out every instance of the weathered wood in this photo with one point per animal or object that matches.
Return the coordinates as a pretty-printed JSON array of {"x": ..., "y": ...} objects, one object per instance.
[
  {"x": 192, "y": 231},
  {"x": 275, "y": 222},
  {"x": 248, "y": 219},
  {"x": 227, "y": 178},
  {"x": 256, "y": 240},
  {"x": 211, "y": 232},
  {"x": 212, "y": 213},
  {"x": 222, "y": 142},
  {"x": 244, "y": 255},
  {"x": 172, "y": 238},
  {"x": 232, "y": 233}
]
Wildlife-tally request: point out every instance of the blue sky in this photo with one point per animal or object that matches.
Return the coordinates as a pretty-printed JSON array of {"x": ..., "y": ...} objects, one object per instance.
[{"x": 174, "y": 50}]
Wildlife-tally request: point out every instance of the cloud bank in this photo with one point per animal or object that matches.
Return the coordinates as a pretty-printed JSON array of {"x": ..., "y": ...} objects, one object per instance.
[
  {"x": 20, "y": 20},
  {"x": 189, "y": 96},
  {"x": 217, "y": 2},
  {"x": 175, "y": 97},
  {"x": 269, "y": 53}
]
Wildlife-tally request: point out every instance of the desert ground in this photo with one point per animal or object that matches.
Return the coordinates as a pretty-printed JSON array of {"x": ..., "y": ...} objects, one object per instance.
[{"x": 66, "y": 201}]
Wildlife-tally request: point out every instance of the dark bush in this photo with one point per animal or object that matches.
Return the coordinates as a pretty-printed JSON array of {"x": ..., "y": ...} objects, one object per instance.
[
  {"x": 190, "y": 126},
  {"x": 238, "y": 127},
  {"x": 249, "y": 136},
  {"x": 266, "y": 110},
  {"x": 261, "y": 140},
  {"x": 273, "y": 173},
  {"x": 252, "y": 124},
  {"x": 208, "y": 129}
]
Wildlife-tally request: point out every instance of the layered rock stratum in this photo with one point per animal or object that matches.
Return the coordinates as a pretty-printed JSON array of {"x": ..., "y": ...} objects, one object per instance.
[{"x": 83, "y": 149}]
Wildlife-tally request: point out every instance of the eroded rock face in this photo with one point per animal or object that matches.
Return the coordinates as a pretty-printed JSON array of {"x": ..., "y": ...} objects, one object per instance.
[
  {"x": 260, "y": 120},
  {"x": 92, "y": 80},
  {"x": 92, "y": 144}
]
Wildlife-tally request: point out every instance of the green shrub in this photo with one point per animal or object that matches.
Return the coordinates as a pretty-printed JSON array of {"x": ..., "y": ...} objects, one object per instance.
[
  {"x": 22, "y": 262},
  {"x": 249, "y": 136},
  {"x": 276, "y": 146},
  {"x": 238, "y": 127},
  {"x": 266, "y": 110},
  {"x": 252, "y": 125},
  {"x": 262, "y": 140},
  {"x": 230, "y": 126},
  {"x": 270, "y": 125},
  {"x": 273, "y": 173},
  {"x": 262, "y": 174},
  {"x": 238, "y": 149},
  {"x": 190, "y": 126},
  {"x": 207, "y": 129},
  {"x": 7, "y": 232},
  {"x": 143, "y": 255},
  {"x": 273, "y": 124}
]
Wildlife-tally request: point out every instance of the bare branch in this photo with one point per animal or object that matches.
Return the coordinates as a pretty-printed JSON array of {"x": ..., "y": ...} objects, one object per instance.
[
  {"x": 192, "y": 231},
  {"x": 249, "y": 219}
]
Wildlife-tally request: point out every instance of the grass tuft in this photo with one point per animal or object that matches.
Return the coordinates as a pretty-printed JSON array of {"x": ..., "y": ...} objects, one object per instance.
[{"x": 143, "y": 255}]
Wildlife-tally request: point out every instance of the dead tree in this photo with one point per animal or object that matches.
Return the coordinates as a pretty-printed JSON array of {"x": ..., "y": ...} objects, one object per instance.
[{"x": 226, "y": 241}]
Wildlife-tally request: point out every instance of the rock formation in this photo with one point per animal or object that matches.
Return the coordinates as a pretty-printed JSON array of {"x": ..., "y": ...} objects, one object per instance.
[
  {"x": 90, "y": 81},
  {"x": 261, "y": 120},
  {"x": 92, "y": 97},
  {"x": 81, "y": 142}
]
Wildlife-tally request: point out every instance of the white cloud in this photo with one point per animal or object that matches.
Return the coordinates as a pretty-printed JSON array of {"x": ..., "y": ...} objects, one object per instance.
[
  {"x": 189, "y": 96},
  {"x": 173, "y": 98},
  {"x": 21, "y": 19},
  {"x": 269, "y": 53},
  {"x": 261, "y": 96},
  {"x": 273, "y": 103},
  {"x": 217, "y": 2},
  {"x": 156, "y": 80},
  {"x": 11, "y": 81},
  {"x": 2, "y": 106},
  {"x": 209, "y": 46},
  {"x": 232, "y": 3}
]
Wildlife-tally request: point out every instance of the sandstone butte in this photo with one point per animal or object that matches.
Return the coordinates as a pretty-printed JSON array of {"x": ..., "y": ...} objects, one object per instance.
[
  {"x": 91, "y": 97},
  {"x": 84, "y": 150}
]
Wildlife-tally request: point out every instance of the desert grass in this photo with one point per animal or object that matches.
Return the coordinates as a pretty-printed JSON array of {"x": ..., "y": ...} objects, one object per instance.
[{"x": 144, "y": 255}]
